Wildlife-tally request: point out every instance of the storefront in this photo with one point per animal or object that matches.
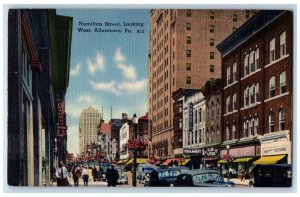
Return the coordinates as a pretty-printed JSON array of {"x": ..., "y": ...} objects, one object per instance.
[
  {"x": 211, "y": 156},
  {"x": 242, "y": 158},
  {"x": 275, "y": 148},
  {"x": 195, "y": 155}
]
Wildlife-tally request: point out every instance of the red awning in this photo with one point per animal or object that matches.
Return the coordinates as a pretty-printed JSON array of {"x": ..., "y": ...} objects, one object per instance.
[{"x": 179, "y": 160}]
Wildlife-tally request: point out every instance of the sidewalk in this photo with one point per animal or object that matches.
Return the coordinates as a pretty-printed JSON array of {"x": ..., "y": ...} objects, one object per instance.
[{"x": 238, "y": 181}]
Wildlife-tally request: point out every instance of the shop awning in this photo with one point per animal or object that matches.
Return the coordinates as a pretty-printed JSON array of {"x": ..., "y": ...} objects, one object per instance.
[
  {"x": 179, "y": 161},
  {"x": 210, "y": 158},
  {"x": 222, "y": 161},
  {"x": 122, "y": 161},
  {"x": 241, "y": 160},
  {"x": 185, "y": 162},
  {"x": 138, "y": 161},
  {"x": 269, "y": 159}
]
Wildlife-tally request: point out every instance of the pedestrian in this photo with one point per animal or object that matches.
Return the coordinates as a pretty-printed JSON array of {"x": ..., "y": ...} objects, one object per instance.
[
  {"x": 94, "y": 173},
  {"x": 85, "y": 176},
  {"x": 242, "y": 175},
  {"x": 76, "y": 174},
  {"x": 112, "y": 176},
  {"x": 62, "y": 175}
]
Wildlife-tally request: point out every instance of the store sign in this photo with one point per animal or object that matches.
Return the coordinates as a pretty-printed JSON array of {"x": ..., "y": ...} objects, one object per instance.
[
  {"x": 275, "y": 147},
  {"x": 211, "y": 152},
  {"x": 191, "y": 117},
  {"x": 240, "y": 152},
  {"x": 192, "y": 151}
]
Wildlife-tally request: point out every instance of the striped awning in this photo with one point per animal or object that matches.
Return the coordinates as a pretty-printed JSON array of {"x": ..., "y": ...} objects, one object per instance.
[
  {"x": 241, "y": 160},
  {"x": 185, "y": 162},
  {"x": 269, "y": 159}
]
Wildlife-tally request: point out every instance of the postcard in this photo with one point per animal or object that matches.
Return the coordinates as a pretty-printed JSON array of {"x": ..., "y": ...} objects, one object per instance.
[{"x": 150, "y": 97}]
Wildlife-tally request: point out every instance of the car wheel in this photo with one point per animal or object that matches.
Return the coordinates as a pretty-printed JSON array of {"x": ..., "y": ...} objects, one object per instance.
[{"x": 251, "y": 184}]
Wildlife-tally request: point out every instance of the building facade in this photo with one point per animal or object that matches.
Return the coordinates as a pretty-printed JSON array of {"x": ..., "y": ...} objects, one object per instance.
[
  {"x": 32, "y": 92},
  {"x": 88, "y": 127},
  {"x": 257, "y": 92},
  {"x": 182, "y": 48}
]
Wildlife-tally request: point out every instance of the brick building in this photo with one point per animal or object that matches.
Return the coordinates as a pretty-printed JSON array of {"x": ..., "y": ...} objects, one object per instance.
[
  {"x": 257, "y": 93},
  {"x": 182, "y": 48}
]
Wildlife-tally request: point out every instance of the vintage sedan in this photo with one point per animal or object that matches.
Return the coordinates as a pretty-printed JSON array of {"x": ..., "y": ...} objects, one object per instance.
[{"x": 201, "y": 178}]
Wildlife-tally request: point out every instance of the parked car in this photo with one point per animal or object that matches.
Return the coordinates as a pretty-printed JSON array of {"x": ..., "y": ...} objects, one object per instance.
[
  {"x": 102, "y": 171},
  {"x": 276, "y": 175},
  {"x": 201, "y": 178},
  {"x": 123, "y": 179},
  {"x": 163, "y": 176},
  {"x": 144, "y": 169}
]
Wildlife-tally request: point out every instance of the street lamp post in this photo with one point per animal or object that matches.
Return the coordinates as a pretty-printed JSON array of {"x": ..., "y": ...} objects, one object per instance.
[
  {"x": 135, "y": 123},
  {"x": 227, "y": 147}
]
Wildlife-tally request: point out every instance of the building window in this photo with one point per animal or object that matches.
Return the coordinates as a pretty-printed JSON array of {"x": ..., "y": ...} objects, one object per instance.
[
  {"x": 200, "y": 135},
  {"x": 212, "y": 15},
  {"x": 256, "y": 92},
  {"x": 246, "y": 65},
  {"x": 256, "y": 60},
  {"x": 188, "y": 13},
  {"x": 211, "y": 68},
  {"x": 282, "y": 44},
  {"x": 233, "y": 102},
  {"x": 200, "y": 115},
  {"x": 233, "y": 131},
  {"x": 251, "y": 98},
  {"x": 256, "y": 126},
  {"x": 281, "y": 119},
  {"x": 188, "y": 39},
  {"x": 271, "y": 122},
  {"x": 246, "y": 96},
  {"x": 188, "y": 53},
  {"x": 192, "y": 136},
  {"x": 228, "y": 75},
  {"x": 245, "y": 128},
  {"x": 188, "y": 66},
  {"x": 212, "y": 29},
  {"x": 212, "y": 55},
  {"x": 251, "y": 61},
  {"x": 252, "y": 127},
  {"x": 211, "y": 42},
  {"x": 282, "y": 82},
  {"x": 234, "y": 74},
  {"x": 196, "y": 118},
  {"x": 272, "y": 50},
  {"x": 188, "y": 26},
  {"x": 196, "y": 137},
  {"x": 247, "y": 14},
  {"x": 272, "y": 87},
  {"x": 234, "y": 29},
  {"x": 188, "y": 80},
  {"x": 227, "y": 104},
  {"x": 234, "y": 17},
  {"x": 227, "y": 132}
]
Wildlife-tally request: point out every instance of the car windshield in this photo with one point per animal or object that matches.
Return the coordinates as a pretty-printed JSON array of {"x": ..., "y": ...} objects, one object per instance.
[{"x": 207, "y": 178}]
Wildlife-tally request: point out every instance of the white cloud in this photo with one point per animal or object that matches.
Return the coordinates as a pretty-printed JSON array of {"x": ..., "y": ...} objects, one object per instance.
[
  {"x": 110, "y": 86},
  {"x": 119, "y": 57},
  {"x": 128, "y": 71},
  {"x": 97, "y": 64},
  {"x": 75, "y": 71},
  {"x": 133, "y": 86},
  {"x": 73, "y": 110},
  {"x": 86, "y": 99}
]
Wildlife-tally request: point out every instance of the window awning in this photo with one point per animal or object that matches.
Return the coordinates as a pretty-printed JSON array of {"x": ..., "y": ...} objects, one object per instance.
[
  {"x": 179, "y": 161},
  {"x": 122, "y": 161},
  {"x": 241, "y": 160},
  {"x": 185, "y": 162},
  {"x": 138, "y": 161},
  {"x": 222, "y": 161},
  {"x": 269, "y": 159}
]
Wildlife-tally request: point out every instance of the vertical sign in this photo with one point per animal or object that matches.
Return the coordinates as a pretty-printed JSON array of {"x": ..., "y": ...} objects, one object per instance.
[{"x": 191, "y": 113}]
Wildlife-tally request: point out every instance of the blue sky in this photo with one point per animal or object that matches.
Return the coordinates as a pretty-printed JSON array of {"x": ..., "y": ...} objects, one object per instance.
[{"x": 106, "y": 68}]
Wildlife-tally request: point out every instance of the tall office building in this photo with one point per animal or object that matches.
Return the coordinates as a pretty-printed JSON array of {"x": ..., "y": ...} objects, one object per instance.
[
  {"x": 88, "y": 127},
  {"x": 183, "y": 54}
]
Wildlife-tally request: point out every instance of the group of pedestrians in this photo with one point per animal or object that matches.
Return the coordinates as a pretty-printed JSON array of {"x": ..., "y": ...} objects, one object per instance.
[{"x": 62, "y": 173}]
